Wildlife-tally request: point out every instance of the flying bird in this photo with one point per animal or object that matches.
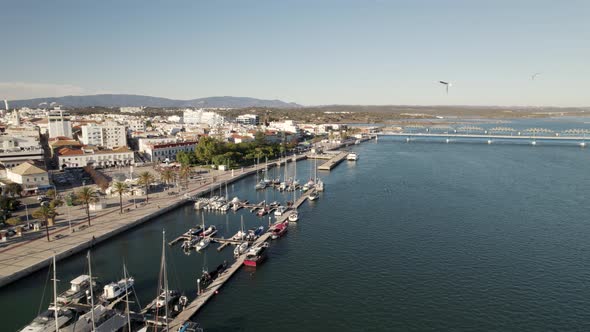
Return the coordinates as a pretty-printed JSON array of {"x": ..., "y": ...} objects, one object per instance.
[
  {"x": 447, "y": 84},
  {"x": 535, "y": 75}
]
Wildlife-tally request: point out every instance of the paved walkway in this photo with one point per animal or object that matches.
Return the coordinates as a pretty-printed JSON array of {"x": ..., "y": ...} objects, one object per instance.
[{"x": 22, "y": 258}]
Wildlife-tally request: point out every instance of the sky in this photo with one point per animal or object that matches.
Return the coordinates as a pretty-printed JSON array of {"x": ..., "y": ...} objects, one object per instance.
[{"x": 313, "y": 52}]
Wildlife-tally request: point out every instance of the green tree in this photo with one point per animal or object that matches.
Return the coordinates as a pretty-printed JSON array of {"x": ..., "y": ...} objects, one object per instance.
[
  {"x": 120, "y": 188},
  {"x": 183, "y": 158},
  {"x": 87, "y": 195},
  {"x": 46, "y": 213},
  {"x": 146, "y": 179},
  {"x": 14, "y": 189}
]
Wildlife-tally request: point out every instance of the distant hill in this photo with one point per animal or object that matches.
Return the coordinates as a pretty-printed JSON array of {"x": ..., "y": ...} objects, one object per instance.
[{"x": 137, "y": 100}]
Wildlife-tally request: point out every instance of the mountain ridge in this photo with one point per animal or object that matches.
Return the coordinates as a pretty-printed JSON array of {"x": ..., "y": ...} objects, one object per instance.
[{"x": 126, "y": 100}]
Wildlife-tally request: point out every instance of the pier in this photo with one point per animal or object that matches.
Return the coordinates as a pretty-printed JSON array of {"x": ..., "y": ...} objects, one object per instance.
[
  {"x": 213, "y": 288},
  {"x": 335, "y": 160}
]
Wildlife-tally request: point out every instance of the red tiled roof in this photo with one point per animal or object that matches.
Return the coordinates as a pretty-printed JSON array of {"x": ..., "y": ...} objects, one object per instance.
[{"x": 70, "y": 152}]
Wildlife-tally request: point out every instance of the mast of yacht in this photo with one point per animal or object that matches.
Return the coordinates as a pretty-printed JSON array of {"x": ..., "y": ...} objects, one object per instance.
[
  {"x": 55, "y": 295},
  {"x": 91, "y": 292},
  {"x": 127, "y": 297},
  {"x": 165, "y": 277}
]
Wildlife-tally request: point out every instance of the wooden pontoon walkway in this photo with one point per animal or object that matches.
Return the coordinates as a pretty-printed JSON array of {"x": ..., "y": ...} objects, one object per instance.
[{"x": 209, "y": 292}]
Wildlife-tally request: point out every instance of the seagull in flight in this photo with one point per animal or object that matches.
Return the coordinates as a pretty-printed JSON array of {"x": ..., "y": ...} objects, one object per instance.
[
  {"x": 447, "y": 84},
  {"x": 535, "y": 75}
]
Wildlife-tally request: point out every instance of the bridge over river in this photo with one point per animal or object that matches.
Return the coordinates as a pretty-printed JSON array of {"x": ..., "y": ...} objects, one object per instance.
[{"x": 531, "y": 136}]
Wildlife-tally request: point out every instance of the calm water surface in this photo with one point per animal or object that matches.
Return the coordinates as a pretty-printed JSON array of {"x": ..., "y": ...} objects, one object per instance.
[{"x": 412, "y": 237}]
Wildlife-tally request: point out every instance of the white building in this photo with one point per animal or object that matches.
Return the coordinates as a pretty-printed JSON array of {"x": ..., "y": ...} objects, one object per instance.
[
  {"x": 17, "y": 148},
  {"x": 248, "y": 119},
  {"x": 94, "y": 157},
  {"x": 143, "y": 143},
  {"x": 131, "y": 109},
  {"x": 288, "y": 126},
  {"x": 109, "y": 135},
  {"x": 29, "y": 176},
  {"x": 201, "y": 116},
  {"x": 59, "y": 123},
  {"x": 167, "y": 152}
]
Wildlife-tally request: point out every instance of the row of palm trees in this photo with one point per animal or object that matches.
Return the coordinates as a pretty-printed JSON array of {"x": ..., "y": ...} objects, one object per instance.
[{"x": 88, "y": 195}]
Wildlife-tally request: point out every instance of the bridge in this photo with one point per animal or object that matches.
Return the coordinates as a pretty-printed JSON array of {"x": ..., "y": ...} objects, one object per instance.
[{"x": 529, "y": 135}]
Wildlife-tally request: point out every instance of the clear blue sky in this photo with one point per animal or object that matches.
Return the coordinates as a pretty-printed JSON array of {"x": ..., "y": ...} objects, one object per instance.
[{"x": 309, "y": 52}]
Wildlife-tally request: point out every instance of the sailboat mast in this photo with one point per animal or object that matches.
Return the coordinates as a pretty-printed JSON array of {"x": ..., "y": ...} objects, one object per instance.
[
  {"x": 165, "y": 276},
  {"x": 55, "y": 295},
  {"x": 127, "y": 298},
  {"x": 91, "y": 292}
]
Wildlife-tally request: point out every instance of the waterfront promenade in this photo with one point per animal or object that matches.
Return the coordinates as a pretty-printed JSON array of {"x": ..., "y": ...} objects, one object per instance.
[{"x": 25, "y": 257}]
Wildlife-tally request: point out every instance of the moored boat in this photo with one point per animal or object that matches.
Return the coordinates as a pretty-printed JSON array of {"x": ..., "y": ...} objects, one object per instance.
[
  {"x": 256, "y": 255},
  {"x": 353, "y": 156},
  {"x": 279, "y": 230},
  {"x": 313, "y": 196},
  {"x": 202, "y": 244},
  {"x": 294, "y": 216},
  {"x": 240, "y": 249},
  {"x": 77, "y": 290},
  {"x": 280, "y": 210},
  {"x": 210, "y": 231},
  {"x": 114, "y": 290}
]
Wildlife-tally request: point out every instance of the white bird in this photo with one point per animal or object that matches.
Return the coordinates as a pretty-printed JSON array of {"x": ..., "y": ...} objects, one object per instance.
[
  {"x": 447, "y": 84},
  {"x": 535, "y": 75}
]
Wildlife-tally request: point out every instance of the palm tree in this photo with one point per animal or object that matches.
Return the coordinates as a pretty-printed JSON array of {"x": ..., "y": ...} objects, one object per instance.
[
  {"x": 185, "y": 173},
  {"x": 146, "y": 178},
  {"x": 85, "y": 196},
  {"x": 47, "y": 214},
  {"x": 167, "y": 176},
  {"x": 120, "y": 188}
]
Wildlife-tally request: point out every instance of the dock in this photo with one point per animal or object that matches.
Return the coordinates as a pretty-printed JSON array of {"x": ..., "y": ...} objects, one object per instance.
[
  {"x": 335, "y": 160},
  {"x": 210, "y": 291}
]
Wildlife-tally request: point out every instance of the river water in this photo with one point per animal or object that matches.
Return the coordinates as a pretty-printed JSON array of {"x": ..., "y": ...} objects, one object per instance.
[{"x": 411, "y": 237}]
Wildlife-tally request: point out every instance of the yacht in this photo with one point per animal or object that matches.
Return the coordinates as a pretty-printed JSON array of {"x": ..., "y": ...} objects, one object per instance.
[
  {"x": 210, "y": 231},
  {"x": 260, "y": 185},
  {"x": 294, "y": 216},
  {"x": 353, "y": 156},
  {"x": 114, "y": 290},
  {"x": 280, "y": 210},
  {"x": 77, "y": 290},
  {"x": 279, "y": 230},
  {"x": 256, "y": 255},
  {"x": 313, "y": 196},
  {"x": 190, "y": 327},
  {"x": 202, "y": 244},
  {"x": 240, "y": 249}
]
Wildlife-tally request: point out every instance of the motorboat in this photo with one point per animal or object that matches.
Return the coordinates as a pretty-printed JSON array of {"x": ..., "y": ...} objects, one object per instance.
[
  {"x": 210, "y": 231},
  {"x": 280, "y": 210},
  {"x": 114, "y": 290},
  {"x": 188, "y": 244},
  {"x": 353, "y": 156},
  {"x": 262, "y": 212},
  {"x": 240, "y": 235},
  {"x": 260, "y": 185},
  {"x": 190, "y": 327},
  {"x": 253, "y": 234},
  {"x": 163, "y": 299},
  {"x": 256, "y": 255},
  {"x": 77, "y": 290},
  {"x": 203, "y": 244},
  {"x": 195, "y": 231},
  {"x": 313, "y": 196},
  {"x": 240, "y": 249},
  {"x": 279, "y": 230},
  {"x": 294, "y": 216}
]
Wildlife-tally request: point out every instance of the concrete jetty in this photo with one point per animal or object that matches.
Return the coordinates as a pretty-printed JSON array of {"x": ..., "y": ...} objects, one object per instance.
[{"x": 335, "y": 160}]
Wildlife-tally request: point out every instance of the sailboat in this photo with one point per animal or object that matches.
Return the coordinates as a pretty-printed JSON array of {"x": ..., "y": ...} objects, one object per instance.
[
  {"x": 294, "y": 215},
  {"x": 52, "y": 319}
]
